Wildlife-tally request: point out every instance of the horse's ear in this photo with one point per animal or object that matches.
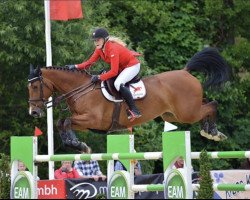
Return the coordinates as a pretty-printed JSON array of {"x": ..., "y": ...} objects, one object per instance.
[
  {"x": 39, "y": 68},
  {"x": 38, "y": 71},
  {"x": 31, "y": 68}
]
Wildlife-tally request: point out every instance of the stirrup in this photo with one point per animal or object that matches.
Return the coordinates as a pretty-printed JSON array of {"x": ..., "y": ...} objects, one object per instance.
[{"x": 133, "y": 115}]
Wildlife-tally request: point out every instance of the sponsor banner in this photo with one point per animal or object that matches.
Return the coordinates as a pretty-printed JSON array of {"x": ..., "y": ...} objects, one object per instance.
[
  {"x": 90, "y": 189},
  {"x": 51, "y": 189},
  {"x": 233, "y": 177},
  {"x": 22, "y": 186},
  {"x": 85, "y": 188}
]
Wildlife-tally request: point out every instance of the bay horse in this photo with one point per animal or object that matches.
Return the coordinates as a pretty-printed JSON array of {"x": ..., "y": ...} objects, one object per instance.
[{"x": 176, "y": 96}]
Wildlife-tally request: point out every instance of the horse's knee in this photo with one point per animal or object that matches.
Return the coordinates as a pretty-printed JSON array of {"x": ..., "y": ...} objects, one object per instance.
[
  {"x": 60, "y": 124},
  {"x": 67, "y": 124}
]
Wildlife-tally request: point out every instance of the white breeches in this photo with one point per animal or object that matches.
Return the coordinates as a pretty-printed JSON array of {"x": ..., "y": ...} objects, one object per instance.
[{"x": 127, "y": 75}]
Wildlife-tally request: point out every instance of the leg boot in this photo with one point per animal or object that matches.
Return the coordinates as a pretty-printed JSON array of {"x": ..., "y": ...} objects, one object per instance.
[{"x": 126, "y": 94}]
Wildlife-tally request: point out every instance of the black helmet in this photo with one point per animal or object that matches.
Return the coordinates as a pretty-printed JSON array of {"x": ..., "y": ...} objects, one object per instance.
[{"x": 100, "y": 33}]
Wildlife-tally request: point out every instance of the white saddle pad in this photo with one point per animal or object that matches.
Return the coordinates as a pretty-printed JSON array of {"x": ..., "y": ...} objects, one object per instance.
[{"x": 137, "y": 90}]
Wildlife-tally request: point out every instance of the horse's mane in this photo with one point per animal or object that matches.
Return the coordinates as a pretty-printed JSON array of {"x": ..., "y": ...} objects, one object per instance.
[{"x": 66, "y": 69}]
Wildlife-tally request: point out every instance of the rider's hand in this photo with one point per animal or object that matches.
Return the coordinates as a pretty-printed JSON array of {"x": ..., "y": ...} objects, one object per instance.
[
  {"x": 95, "y": 177},
  {"x": 71, "y": 66},
  {"x": 64, "y": 169},
  {"x": 103, "y": 177},
  {"x": 95, "y": 78}
]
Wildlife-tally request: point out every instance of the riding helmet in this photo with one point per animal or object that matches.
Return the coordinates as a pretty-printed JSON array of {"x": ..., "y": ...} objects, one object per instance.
[{"x": 100, "y": 33}]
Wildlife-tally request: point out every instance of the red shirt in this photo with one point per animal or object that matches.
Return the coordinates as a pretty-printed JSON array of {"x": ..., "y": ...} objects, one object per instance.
[
  {"x": 61, "y": 175},
  {"x": 118, "y": 56}
]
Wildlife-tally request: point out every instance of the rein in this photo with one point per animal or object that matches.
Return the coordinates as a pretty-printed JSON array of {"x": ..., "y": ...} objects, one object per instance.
[{"x": 73, "y": 93}]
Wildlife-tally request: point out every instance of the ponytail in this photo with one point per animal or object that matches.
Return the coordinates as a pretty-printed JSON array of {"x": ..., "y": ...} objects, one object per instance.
[{"x": 117, "y": 40}]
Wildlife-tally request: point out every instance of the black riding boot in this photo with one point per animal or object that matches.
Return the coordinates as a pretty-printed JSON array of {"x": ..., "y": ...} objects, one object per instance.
[{"x": 126, "y": 94}]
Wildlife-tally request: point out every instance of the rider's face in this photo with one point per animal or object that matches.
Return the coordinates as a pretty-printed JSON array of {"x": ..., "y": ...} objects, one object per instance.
[{"x": 99, "y": 43}]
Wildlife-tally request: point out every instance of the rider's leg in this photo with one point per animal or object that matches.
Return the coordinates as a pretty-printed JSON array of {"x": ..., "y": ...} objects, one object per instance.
[
  {"x": 125, "y": 76},
  {"x": 126, "y": 94}
]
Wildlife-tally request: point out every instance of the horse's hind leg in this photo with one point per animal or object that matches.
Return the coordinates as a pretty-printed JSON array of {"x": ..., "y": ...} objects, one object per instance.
[{"x": 208, "y": 125}]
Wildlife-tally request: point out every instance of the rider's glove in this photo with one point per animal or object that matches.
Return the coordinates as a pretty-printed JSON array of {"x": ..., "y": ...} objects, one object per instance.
[
  {"x": 71, "y": 66},
  {"x": 95, "y": 78}
]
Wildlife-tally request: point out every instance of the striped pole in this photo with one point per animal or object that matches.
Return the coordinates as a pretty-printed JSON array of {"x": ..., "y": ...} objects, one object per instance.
[
  {"x": 226, "y": 187},
  {"x": 148, "y": 188},
  {"x": 223, "y": 154},
  {"x": 136, "y": 156},
  {"x": 101, "y": 156}
]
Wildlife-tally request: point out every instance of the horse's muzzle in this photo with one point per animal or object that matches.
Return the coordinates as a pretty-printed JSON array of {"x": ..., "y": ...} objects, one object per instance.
[{"x": 36, "y": 113}]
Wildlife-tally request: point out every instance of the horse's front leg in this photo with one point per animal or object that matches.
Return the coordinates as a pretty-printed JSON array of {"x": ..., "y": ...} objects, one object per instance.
[{"x": 68, "y": 136}]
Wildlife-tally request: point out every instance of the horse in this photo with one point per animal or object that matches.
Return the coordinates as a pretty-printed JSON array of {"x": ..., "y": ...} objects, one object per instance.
[{"x": 176, "y": 96}]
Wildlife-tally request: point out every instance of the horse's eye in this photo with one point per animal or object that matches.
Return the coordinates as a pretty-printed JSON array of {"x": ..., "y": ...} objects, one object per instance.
[{"x": 34, "y": 87}]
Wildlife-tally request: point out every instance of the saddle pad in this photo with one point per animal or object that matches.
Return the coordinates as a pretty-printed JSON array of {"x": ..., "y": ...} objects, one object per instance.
[{"x": 137, "y": 90}]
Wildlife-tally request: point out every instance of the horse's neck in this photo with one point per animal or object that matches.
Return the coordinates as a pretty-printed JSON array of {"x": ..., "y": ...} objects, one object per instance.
[{"x": 64, "y": 81}]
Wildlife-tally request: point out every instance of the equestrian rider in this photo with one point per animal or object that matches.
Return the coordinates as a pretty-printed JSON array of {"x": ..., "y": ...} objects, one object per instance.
[{"x": 123, "y": 63}]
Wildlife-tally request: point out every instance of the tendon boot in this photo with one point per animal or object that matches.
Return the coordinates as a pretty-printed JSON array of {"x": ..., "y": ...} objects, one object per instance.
[
  {"x": 127, "y": 96},
  {"x": 72, "y": 141}
]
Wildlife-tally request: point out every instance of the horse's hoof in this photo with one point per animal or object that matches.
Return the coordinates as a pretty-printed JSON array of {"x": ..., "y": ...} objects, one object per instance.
[
  {"x": 83, "y": 147},
  {"x": 77, "y": 145},
  {"x": 206, "y": 135},
  {"x": 218, "y": 137}
]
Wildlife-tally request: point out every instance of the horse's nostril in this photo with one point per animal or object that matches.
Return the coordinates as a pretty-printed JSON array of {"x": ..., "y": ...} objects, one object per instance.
[{"x": 34, "y": 113}]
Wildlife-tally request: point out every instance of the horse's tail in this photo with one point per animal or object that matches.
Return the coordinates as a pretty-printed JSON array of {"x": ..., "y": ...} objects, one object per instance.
[{"x": 212, "y": 64}]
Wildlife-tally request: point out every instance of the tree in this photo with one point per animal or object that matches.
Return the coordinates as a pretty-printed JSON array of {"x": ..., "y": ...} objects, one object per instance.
[
  {"x": 4, "y": 176},
  {"x": 206, "y": 183}
]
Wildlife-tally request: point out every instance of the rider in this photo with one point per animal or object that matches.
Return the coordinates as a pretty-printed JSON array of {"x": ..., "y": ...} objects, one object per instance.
[{"x": 123, "y": 63}]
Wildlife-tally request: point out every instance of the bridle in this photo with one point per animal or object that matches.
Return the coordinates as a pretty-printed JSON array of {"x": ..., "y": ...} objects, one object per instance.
[
  {"x": 60, "y": 98},
  {"x": 41, "y": 98}
]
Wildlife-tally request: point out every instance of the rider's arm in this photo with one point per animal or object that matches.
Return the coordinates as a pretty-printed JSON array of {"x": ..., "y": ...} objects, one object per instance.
[{"x": 95, "y": 56}]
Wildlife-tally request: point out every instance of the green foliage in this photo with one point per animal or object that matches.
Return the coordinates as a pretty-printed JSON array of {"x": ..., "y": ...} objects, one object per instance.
[
  {"x": 167, "y": 34},
  {"x": 4, "y": 176},
  {"x": 206, "y": 183}
]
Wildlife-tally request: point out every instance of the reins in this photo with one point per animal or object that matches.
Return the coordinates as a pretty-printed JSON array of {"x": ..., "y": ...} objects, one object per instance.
[{"x": 73, "y": 93}]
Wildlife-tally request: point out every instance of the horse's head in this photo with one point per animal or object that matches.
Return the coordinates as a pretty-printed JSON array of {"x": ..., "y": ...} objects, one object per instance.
[{"x": 39, "y": 92}]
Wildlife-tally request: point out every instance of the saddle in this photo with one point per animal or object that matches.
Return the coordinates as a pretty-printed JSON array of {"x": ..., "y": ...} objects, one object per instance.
[
  {"x": 137, "y": 89},
  {"x": 136, "y": 86}
]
